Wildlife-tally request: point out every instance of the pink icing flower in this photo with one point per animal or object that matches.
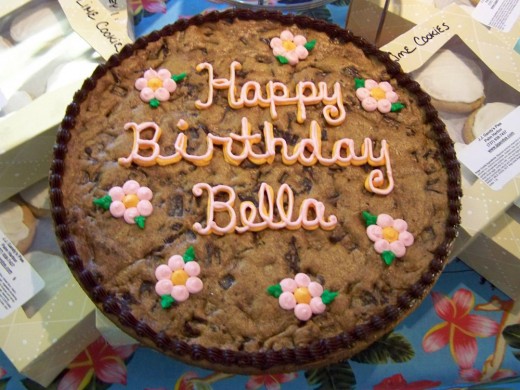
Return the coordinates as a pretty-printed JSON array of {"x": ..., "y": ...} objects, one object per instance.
[
  {"x": 292, "y": 47},
  {"x": 156, "y": 85},
  {"x": 377, "y": 96},
  {"x": 178, "y": 279},
  {"x": 130, "y": 201},
  {"x": 303, "y": 296},
  {"x": 390, "y": 235}
]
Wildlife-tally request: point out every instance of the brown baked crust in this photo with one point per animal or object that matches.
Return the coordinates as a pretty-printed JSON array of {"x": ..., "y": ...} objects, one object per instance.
[
  {"x": 467, "y": 130},
  {"x": 457, "y": 107},
  {"x": 351, "y": 322}
]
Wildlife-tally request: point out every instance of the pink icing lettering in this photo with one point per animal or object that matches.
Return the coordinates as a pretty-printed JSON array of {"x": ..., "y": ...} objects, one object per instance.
[{"x": 249, "y": 213}]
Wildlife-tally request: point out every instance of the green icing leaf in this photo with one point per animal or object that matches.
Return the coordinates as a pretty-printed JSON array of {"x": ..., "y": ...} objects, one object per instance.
[
  {"x": 166, "y": 301},
  {"x": 370, "y": 219},
  {"x": 388, "y": 257},
  {"x": 275, "y": 290},
  {"x": 310, "y": 45},
  {"x": 103, "y": 202},
  {"x": 359, "y": 83},
  {"x": 392, "y": 348},
  {"x": 179, "y": 77},
  {"x": 282, "y": 60},
  {"x": 189, "y": 255},
  {"x": 397, "y": 107},
  {"x": 154, "y": 103},
  {"x": 331, "y": 377},
  {"x": 328, "y": 296},
  {"x": 139, "y": 221}
]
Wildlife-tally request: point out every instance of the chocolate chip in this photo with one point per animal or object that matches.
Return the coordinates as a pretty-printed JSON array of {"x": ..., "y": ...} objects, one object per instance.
[
  {"x": 291, "y": 256},
  {"x": 146, "y": 287},
  {"x": 226, "y": 281},
  {"x": 264, "y": 59},
  {"x": 212, "y": 254},
  {"x": 177, "y": 209},
  {"x": 119, "y": 90},
  {"x": 350, "y": 71}
]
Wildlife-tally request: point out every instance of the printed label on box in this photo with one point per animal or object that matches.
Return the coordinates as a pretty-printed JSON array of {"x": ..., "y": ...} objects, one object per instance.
[
  {"x": 18, "y": 281},
  {"x": 501, "y": 14},
  {"x": 495, "y": 155}
]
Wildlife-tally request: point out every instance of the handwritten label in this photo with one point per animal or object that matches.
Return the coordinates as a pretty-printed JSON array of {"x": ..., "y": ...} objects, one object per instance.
[
  {"x": 500, "y": 14},
  {"x": 418, "y": 41},
  {"x": 495, "y": 155},
  {"x": 102, "y": 23},
  {"x": 18, "y": 281}
]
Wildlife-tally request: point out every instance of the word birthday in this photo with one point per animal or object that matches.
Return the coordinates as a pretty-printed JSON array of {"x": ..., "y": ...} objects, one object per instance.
[
  {"x": 249, "y": 213},
  {"x": 276, "y": 94},
  {"x": 307, "y": 152}
]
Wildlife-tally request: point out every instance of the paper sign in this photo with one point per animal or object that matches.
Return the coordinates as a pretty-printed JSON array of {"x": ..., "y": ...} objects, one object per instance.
[
  {"x": 501, "y": 14},
  {"x": 104, "y": 24},
  {"x": 18, "y": 281},
  {"x": 495, "y": 155}
]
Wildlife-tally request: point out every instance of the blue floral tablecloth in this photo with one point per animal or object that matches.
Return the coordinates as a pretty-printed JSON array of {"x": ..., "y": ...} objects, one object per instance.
[{"x": 466, "y": 334}]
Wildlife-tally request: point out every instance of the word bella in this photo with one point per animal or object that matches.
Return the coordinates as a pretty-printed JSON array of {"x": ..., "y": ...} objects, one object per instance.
[
  {"x": 306, "y": 152},
  {"x": 276, "y": 94},
  {"x": 250, "y": 214}
]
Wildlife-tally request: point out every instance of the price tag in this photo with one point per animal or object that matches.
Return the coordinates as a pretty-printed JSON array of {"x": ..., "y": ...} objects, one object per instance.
[
  {"x": 18, "y": 281},
  {"x": 494, "y": 157},
  {"x": 501, "y": 14}
]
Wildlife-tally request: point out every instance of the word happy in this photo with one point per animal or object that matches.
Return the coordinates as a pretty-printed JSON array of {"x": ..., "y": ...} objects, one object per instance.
[{"x": 276, "y": 94}]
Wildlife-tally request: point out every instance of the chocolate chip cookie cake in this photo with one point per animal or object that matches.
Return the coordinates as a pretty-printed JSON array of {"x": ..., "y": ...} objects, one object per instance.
[{"x": 250, "y": 192}]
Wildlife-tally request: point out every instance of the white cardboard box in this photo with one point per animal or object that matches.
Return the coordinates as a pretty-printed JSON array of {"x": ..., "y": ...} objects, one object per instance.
[{"x": 484, "y": 222}]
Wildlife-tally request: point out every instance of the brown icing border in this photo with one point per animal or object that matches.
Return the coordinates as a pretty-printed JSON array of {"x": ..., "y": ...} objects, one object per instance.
[{"x": 323, "y": 351}]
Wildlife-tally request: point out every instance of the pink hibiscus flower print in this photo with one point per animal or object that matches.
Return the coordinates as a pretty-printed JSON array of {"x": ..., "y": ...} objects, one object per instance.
[
  {"x": 269, "y": 382},
  {"x": 178, "y": 279},
  {"x": 477, "y": 376},
  {"x": 377, "y": 96},
  {"x": 99, "y": 360},
  {"x": 302, "y": 295},
  {"x": 390, "y": 236},
  {"x": 459, "y": 329},
  {"x": 397, "y": 382},
  {"x": 289, "y": 48},
  {"x": 156, "y": 86},
  {"x": 152, "y": 6}
]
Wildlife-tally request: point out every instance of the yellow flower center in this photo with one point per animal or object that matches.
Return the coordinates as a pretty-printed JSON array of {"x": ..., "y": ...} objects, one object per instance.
[
  {"x": 130, "y": 200},
  {"x": 377, "y": 93},
  {"x": 302, "y": 295},
  {"x": 155, "y": 83},
  {"x": 179, "y": 277},
  {"x": 390, "y": 234},
  {"x": 289, "y": 45}
]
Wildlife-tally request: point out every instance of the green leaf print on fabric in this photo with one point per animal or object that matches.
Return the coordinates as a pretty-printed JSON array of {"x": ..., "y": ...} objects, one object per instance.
[
  {"x": 333, "y": 377},
  {"x": 393, "y": 347}
]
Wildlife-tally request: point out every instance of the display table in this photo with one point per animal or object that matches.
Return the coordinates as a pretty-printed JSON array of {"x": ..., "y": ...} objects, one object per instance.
[{"x": 465, "y": 334}]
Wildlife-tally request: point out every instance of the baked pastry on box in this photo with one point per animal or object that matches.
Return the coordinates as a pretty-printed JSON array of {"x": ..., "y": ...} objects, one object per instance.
[
  {"x": 254, "y": 192},
  {"x": 482, "y": 119},
  {"x": 18, "y": 224},
  {"x": 454, "y": 82}
]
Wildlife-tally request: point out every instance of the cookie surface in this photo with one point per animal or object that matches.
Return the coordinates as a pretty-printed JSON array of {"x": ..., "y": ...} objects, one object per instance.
[{"x": 311, "y": 210}]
